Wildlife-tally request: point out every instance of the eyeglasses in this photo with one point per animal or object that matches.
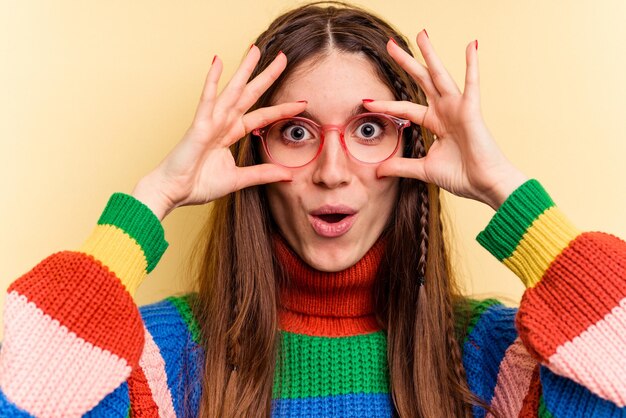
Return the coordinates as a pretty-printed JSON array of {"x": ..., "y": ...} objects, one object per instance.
[{"x": 367, "y": 137}]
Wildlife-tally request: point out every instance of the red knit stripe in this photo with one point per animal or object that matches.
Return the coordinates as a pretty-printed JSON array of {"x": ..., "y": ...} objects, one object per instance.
[
  {"x": 530, "y": 406},
  {"x": 323, "y": 326},
  {"x": 583, "y": 284},
  {"x": 141, "y": 402},
  {"x": 83, "y": 295}
]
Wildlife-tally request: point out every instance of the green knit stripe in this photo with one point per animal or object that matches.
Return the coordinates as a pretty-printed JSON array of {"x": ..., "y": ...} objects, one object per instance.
[
  {"x": 183, "y": 306},
  {"x": 322, "y": 366},
  {"x": 470, "y": 319},
  {"x": 543, "y": 409},
  {"x": 138, "y": 221},
  {"x": 510, "y": 222}
]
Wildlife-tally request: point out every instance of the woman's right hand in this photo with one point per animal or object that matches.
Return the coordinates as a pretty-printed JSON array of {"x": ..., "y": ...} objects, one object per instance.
[{"x": 201, "y": 167}]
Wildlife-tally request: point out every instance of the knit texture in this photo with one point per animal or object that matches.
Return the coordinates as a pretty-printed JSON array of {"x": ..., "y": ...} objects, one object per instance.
[
  {"x": 332, "y": 360},
  {"x": 328, "y": 304},
  {"x": 76, "y": 343}
]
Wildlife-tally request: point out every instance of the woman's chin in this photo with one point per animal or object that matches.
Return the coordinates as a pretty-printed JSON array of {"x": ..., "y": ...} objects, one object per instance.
[{"x": 330, "y": 259}]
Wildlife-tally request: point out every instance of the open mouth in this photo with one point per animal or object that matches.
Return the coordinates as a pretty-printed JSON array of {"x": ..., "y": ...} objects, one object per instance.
[
  {"x": 332, "y": 218},
  {"x": 332, "y": 221}
]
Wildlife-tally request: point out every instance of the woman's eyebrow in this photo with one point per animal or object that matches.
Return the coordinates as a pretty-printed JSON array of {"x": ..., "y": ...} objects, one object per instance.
[{"x": 356, "y": 111}]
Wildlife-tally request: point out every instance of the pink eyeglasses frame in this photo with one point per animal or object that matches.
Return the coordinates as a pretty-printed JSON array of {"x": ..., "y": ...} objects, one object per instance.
[{"x": 399, "y": 123}]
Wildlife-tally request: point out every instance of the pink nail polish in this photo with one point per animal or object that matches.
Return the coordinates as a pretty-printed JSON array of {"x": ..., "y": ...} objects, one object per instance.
[
  {"x": 476, "y": 44},
  {"x": 368, "y": 100},
  {"x": 251, "y": 45},
  {"x": 394, "y": 41},
  {"x": 426, "y": 34},
  {"x": 214, "y": 58},
  {"x": 303, "y": 101}
]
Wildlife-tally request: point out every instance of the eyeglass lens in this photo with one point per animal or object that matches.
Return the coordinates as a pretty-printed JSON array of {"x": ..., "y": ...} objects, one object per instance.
[{"x": 369, "y": 138}]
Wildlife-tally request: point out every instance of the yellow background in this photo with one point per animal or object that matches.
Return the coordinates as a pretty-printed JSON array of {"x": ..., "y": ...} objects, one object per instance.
[{"x": 94, "y": 95}]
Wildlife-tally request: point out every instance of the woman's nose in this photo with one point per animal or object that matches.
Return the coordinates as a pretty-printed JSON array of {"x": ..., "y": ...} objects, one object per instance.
[{"x": 332, "y": 165}]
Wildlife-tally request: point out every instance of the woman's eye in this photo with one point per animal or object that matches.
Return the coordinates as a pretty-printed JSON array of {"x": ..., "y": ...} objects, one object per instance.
[
  {"x": 368, "y": 130},
  {"x": 296, "y": 133}
]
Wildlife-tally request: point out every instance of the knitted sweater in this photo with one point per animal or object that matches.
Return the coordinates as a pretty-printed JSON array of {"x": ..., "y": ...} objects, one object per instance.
[{"x": 77, "y": 344}]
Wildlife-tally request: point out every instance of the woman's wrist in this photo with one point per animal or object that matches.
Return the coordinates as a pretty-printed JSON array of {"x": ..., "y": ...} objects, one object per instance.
[
  {"x": 147, "y": 193},
  {"x": 507, "y": 184}
]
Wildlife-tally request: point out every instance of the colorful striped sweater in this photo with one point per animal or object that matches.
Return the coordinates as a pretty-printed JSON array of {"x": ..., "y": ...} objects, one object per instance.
[{"x": 75, "y": 343}]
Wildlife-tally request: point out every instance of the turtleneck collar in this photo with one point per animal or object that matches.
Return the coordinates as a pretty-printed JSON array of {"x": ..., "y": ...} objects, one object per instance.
[{"x": 328, "y": 304}]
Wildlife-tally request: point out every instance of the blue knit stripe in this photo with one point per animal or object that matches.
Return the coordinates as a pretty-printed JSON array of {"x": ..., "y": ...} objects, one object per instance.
[
  {"x": 360, "y": 405},
  {"x": 565, "y": 398},
  {"x": 183, "y": 357},
  {"x": 484, "y": 350},
  {"x": 9, "y": 409},
  {"x": 115, "y": 404}
]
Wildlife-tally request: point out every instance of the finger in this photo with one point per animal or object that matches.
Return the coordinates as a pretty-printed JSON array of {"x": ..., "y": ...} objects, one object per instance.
[
  {"x": 266, "y": 115},
  {"x": 440, "y": 76},
  {"x": 403, "y": 109},
  {"x": 237, "y": 83},
  {"x": 207, "y": 98},
  {"x": 261, "y": 174},
  {"x": 414, "y": 68},
  {"x": 402, "y": 167},
  {"x": 472, "y": 84},
  {"x": 260, "y": 83}
]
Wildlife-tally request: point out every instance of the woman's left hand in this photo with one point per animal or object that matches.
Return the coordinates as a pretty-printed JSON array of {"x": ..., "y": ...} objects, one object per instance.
[{"x": 464, "y": 159}]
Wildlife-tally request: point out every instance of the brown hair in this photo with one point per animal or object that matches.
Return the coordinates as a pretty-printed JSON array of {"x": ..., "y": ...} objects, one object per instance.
[{"x": 238, "y": 280}]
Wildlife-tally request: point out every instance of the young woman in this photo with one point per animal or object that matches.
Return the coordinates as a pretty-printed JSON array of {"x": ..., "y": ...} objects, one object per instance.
[{"x": 325, "y": 290}]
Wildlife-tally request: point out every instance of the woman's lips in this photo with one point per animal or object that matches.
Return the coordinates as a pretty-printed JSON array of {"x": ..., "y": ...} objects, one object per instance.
[
  {"x": 332, "y": 221},
  {"x": 332, "y": 229}
]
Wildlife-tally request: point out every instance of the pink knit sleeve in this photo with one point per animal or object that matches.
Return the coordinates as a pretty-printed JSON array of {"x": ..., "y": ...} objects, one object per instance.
[
  {"x": 72, "y": 332},
  {"x": 572, "y": 317}
]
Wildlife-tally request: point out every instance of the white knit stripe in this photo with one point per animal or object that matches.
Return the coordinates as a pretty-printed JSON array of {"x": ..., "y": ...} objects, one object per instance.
[
  {"x": 514, "y": 375},
  {"x": 48, "y": 370},
  {"x": 597, "y": 357},
  {"x": 153, "y": 366}
]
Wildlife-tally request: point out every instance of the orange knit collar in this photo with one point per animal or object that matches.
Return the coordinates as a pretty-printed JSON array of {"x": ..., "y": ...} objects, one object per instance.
[{"x": 328, "y": 304}]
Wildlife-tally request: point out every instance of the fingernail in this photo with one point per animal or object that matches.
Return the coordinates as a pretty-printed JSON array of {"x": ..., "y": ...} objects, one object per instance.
[
  {"x": 394, "y": 41},
  {"x": 476, "y": 44},
  {"x": 303, "y": 101},
  {"x": 426, "y": 33},
  {"x": 251, "y": 45},
  {"x": 214, "y": 57},
  {"x": 281, "y": 52},
  {"x": 368, "y": 100}
]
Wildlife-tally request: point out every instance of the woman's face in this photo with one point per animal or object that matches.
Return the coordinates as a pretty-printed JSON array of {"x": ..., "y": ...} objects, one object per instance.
[{"x": 334, "y": 87}]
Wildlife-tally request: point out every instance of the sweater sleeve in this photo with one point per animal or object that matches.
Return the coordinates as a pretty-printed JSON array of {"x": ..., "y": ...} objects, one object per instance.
[
  {"x": 572, "y": 317},
  {"x": 72, "y": 331}
]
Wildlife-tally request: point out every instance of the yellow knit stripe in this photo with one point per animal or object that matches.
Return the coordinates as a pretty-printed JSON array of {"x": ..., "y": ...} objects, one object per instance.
[
  {"x": 120, "y": 253},
  {"x": 542, "y": 242}
]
